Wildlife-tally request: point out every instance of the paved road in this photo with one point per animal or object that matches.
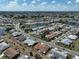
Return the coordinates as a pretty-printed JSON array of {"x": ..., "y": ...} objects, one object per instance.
[{"x": 52, "y": 44}]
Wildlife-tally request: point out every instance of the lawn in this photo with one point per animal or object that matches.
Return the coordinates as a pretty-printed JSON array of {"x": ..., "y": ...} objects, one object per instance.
[{"x": 74, "y": 46}]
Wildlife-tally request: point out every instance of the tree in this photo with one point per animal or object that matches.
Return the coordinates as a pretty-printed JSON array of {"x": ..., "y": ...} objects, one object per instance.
[
  {"x": 31, "y": 54},
  {"x": 63, "y": 21},
  {"x": 77, "y": 34},
  {"x": 37, "y": 56},
  {"x": 42, "y": 35},
  {"x": 8, "y": 28}
]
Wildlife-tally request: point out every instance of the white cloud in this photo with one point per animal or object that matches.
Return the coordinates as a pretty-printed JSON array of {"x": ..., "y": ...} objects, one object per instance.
[
  {"x": 38, "y": 0},
  {"x": 11, "y": 6},
  {"x": 13, "y": 2},
  {"x": 33, "y": 2},
  {"x": 24, "y": 0},
  {"x": 24, "y": 4},
  {"x": 16, "y": 0},
  {"x": 69, "y": 2},
  {"x": 43, "y": 6},
  {"x": 76, "y": 0},
  {"x": 53, "y": 1},
  {"x": 43, "y": 3}
]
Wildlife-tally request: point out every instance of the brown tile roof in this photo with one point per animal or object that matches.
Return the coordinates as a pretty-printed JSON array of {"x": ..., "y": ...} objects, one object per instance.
[
  {"x": 11, "y": 53},
  {"x": 41, "y": 47},
  {"x": 51, "y": 35}
]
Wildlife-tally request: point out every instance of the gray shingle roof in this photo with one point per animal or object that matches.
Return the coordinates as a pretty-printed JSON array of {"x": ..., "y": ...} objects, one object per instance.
[
  {"x": 2, "y": 30},
  {"x": 58, "y": 54},
  {"x": 66, "y": 41},
  {"x": 3, "y": 46},
  {"x": 21, "y": 38}
]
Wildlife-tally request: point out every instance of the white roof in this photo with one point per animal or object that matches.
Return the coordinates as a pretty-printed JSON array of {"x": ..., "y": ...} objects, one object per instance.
[
  {"x": 16, "y": 33},
  {"x": 72, "y": 37},
  {"x": 1, "y": 55},
  {"x": 23, "y": 57},
  {"x": 29, "y": 42},
  {"x": 58, "y": 54},
  {"x": 34, "y": 29},
  {"x": 76, "y": 57},
  {"x": 50, "y": 28},
  {"x": 66, "y": 41}
]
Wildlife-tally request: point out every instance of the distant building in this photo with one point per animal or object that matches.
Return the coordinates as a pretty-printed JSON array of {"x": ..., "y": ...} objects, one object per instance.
[
  {"x": 64, "y": 30},
  {"x": 12, "y": 30},
  {"x": 37, "y": 28},
  {"x": 1, "y": 40},
  {"x": 51, "y": 28},
  {"x": 52, "y": 35}
]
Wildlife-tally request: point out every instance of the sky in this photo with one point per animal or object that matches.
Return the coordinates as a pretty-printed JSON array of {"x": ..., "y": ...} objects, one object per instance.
[{"x": 39, "y": 5}]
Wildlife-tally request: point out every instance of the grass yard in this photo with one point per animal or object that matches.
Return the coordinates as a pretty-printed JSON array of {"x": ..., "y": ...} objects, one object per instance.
[{"x": 74, "y": 46}]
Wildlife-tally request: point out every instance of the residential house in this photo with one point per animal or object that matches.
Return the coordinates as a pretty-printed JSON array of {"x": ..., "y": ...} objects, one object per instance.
[
  {"x": 16, "y": 34},
  {"x": 3, "y": 46},
  {"x": 2, "y": 30},
  {"x": 21, "y": 38},
  {"x": 73, "y": 37},
  {"x": 64, "y": 30},
  {"x": 76, "y": 57},
  {"x": 41, "y": 47},
  {"x": 57, "y": 54},
  {"x": 23, "y": 57},
  {"x": 58, "y": 33},
  {"x": 37, "y": 28},
  {"x": 51, "y": 28},
  {"x": 66, "y": 41},
  {"x": 11, "y": 53},
  {"x": 30, "y": 42},
  {"x": 51, "y": 35}
]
